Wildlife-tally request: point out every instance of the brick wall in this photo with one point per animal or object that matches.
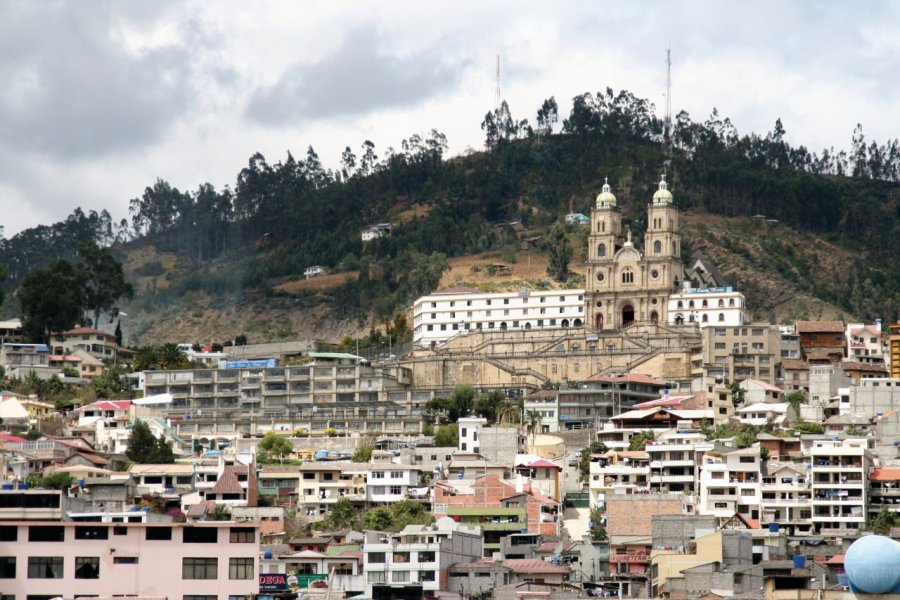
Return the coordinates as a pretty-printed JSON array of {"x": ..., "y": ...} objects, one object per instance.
[{"x": 632, "y": 514}]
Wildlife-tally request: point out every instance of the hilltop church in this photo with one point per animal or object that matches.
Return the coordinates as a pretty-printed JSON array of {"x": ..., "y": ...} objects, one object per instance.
[{"x": 623, "y": 284}]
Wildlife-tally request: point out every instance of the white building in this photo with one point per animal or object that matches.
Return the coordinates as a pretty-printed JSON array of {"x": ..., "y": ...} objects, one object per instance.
[
  {"x": 760, "y": 414},
  {"x": 707, "y": 306},
  {"x": 391, "y": 482},
  {"x": 618, "y": 472},
  {"x": 840, "y": 474},
  {"x": 469, "y": 427},
  {"x": 315, "y": 271},
  {"x": 787, "y": 497},
  {"x": 415, "y": 561},
  {"x": 730, "y": 483},
  {"x": 442, "y": 315},
  {"x": 675, "y": 456},
  {"x": 864, "y": 342},
  {"x": 376, "y": 231}
]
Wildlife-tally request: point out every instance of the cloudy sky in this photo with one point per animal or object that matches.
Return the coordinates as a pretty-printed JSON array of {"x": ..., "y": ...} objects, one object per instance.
[{"x": 99, "y": 98}]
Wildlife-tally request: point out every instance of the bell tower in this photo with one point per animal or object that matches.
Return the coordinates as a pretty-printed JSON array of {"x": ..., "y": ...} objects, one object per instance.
[
  {"x": 604, "y": 241},
  {"x": 662, "y": 242}
]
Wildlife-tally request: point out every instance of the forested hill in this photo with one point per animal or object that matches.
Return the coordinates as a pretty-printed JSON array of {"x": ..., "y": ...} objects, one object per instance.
[{"x": 232, "y": 249}]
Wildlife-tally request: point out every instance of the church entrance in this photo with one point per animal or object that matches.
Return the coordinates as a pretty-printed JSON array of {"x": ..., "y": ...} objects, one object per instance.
[
  {"x": 598, "y": 321},
  {"x": 654, "y": 317},
  {"x": 627, "y": 315}
]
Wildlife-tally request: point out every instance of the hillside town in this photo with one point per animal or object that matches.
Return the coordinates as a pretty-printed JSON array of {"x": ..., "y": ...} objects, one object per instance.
[{"x": 641, "y": 436}]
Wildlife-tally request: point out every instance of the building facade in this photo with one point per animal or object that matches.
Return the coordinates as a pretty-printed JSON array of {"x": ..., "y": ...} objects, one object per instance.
[
  {"x": 707, "y": 306},
  {"x": 624, "y": 284}
]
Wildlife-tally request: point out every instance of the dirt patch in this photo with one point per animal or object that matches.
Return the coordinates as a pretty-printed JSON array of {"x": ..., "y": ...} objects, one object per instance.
[
  {"x": 529, "y": 270},
  {"x": 317, "y": 284}
]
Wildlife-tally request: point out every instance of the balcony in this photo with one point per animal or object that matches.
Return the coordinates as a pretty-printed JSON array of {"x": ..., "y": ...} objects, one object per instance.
[
  {"x": 659, "y": 464},
  {"x": 671, "y": 479}
]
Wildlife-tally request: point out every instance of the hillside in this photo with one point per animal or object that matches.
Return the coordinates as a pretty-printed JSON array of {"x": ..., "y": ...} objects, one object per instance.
[{"x": 210, "y": 264}]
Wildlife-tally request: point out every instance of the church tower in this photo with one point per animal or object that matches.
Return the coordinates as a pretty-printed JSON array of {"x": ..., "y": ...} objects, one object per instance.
[
  {"x": 624, "y": 285},
  {"x": 662, "y": 242}
]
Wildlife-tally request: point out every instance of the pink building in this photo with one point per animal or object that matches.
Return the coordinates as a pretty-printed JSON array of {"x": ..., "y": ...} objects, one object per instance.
[{"x": 208, "y": 561}]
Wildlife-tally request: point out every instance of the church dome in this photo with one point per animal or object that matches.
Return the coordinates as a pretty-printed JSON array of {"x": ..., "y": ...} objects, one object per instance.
[
  {"x": 662, "y": 195},
  {"x": 606, "y": 199}
]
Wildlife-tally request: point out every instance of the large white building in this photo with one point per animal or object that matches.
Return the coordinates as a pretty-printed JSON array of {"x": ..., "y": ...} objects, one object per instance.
[
  {"x": 442, "y": 315},
  {"x": 707, "y": 306}
]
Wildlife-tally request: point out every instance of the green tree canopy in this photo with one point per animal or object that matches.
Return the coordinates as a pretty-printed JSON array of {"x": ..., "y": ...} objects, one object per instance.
[
  {"x": 363, "y": 454},
  {"x": 273, "y": 447},
  {"x": 447, "y": 435},
  {"x": 560, "y": 252},
  {"x": 145, "y": 448}
]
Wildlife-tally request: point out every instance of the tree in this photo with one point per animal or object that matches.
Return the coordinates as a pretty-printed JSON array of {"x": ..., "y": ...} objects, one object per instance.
[
  {"x": 447, "y": 435},
  {"x": 884, "y": 521},
  {"x": 560, "y": 252},
  {"x": 343, "y": 515},
  {"x": 104, "y": 282},
  {"x": 273, "y": 446},
  {"x": 145, "y": 448},
  {"x": 56, "y": 481},
  {"x": 795, "y": 399},
  {"x": 638, "y": 440},
  {"x": 363, "y": 454},
  {"x": 533, "y": 421},
  {"x": 51, "y": 299},
  {"x": 584, "y": 461},
  {"x": 738, "y": 394},
  {"x": 598, "y": 531},
  {"x": 509, "y": 411}
]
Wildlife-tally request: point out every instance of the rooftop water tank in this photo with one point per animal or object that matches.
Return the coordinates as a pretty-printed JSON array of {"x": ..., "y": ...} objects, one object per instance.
[{"x": 873, "y": 565}]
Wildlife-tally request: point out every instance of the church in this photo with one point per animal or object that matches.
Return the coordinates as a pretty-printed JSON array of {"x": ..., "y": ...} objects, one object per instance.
[{"x": 623, "y": 283}]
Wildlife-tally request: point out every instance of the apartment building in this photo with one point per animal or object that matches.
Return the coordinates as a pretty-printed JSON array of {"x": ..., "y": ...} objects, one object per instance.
[
  {"x": 730, "y": 483},
  {"x": 414, "y": 562},
  {"x": 864, "y": 342},
  {"x": 546, "y": 404},
  {"x": 873, "y": 396},
  {"x": 442, "y": 315},
  {"x": 338, "y": 391},
  {"x": 751, "y": 351},
  {"x": 840, "y": 474},
  {"x": 322, "y": 484},
  {"x": 618, "y": 472},
  {"x": 211, "y": 560},
  {"x": 884, "y": 490},
  {"x": 99, "y": 344},
  {"x": 675, "y": 459},
  {"x": 392, "y": 482},
  {"x": 787, "y": 497},
  {"x": 600, "y": 397}
]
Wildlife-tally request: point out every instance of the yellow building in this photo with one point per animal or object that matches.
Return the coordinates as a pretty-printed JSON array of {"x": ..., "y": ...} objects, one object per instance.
[
  {"x": 667, "y": 564},
  {"x": 623, "y": 284}
]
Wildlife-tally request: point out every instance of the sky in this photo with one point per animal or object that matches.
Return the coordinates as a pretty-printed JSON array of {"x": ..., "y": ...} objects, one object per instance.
[{"x": 100, "y": 98}]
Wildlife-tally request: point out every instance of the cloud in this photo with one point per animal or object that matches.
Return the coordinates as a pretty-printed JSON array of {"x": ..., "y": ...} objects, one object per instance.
[
  {"x": 74, "y": 89},
  {"x": 359, "y": 77}
]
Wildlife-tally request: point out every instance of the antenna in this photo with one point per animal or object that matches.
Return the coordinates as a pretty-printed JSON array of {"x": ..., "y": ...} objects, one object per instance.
[
  {"x": 497, "y": 98},
  {"x": 668, "y": 132}
]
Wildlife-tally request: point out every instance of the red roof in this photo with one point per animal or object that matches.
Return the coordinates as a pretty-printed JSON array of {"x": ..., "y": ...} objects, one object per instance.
[
  {"x": 533, "y": 565},
  {"x": 885, "y": 474},
  {"x": 5, "y": 437},
  {"x": 837, "y": 559},
  {"x": 543, "y": 464},
  {"x": 664, "y": 401},
  {"x": 793, "y": 364},
  {"x": 228, "y": 483},
  {"x": 88, "y": 330}
]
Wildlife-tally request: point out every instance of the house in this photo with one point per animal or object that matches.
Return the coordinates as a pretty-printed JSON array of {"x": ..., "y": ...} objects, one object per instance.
[
  {"x": 542, "y": 474},
  {"x": 414, "y": 562},
  {"x": 787, "y": 497},
  {"x": 760, "y": 414},
  {"x": 99, "y": 344},
  {"x": 236, "y": 486},
  {"x": 166, "y": 481},
  {"x": 376, "y": 231},
  {"x": 822, "y": 337},
  {"x": 324, "y": 483},
  {"x": 392, "y": 482},
  {"x": 21, "y": 360},
  {"x": 618, "y": 471},
  {"x": 757, "y": 391},
  {"x": 840, "y": 473},
  {"x": 315, "y": 271},
  {"x": 864, "y": 343}
]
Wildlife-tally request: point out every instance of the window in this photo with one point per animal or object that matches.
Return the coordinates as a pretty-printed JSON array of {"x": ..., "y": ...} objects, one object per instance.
[
  {"x": 240, "y": 568},
  {"x": 158, "y": 533},
  {"x": 601, "y": 250},
  {"x": 45, "y": 567},
  {"x": 87, "y": 567},
  {"x": 91, "y": 533},
  {"x": 396, "y": 475},
  {"x": 379, "y": 474},
  {"x": 376, "y": 557},
  {"x": 7, "y": 567},
  {"x": 199, "y": 568},
  {"x": 657, "y": 247},
  {"x": 201, "y": 535},
  {"x": 376, "y": 577},
  {"x": 400, "y": 576},
  {"x": 120, "y": 530},
  {"x": 396, "y": 490},
  {"x": 242, "y": 535},
  {"x": 627, "y": 277},
  {"x": 9, "y": 533},
  {"x": 46, "y": 534},
  {"x": 125, "y": 560}
]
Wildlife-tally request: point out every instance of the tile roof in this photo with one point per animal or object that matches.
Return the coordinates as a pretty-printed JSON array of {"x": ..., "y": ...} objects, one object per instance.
[
  {"x": 763, "y": 384},
  {"x": 837, "y": 559},
  {"x": 795, "y": 364},
  {"x": 544, "y": 394},
  {"x": 201, "y": 509},
  {"x": 533, "y": 565},
  {"x": 664, "y": 401},
  {"x": 543, "y": 464},
  {"x": 820, "y": 326},
  {"x": 228, "y": 483},
  {"x": 868, "y": 367},
  {"x": 106, "y": 405},
  {"x": 88, "y": 330},
  {"x": 885, "y": 474}
]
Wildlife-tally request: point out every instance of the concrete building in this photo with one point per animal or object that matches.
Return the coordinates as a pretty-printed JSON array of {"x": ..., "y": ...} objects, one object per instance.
[
  {"x": 210, "y": 560},
  {"x": 760, "y": 414},
  {"x": 676, "y": 458},
  {"x": 707, "y": 306},
  {"x": 468, "y": 433},
  {"x": 757, "y": 391},
  {"x": 601, "y": 396},
  {"x": 864, "y": 343},
  {"x": 787, "y": 497},
  {"x": 618, "y": 472},
  {"x": 445, "y": 314},
  {"x": 391, "y": 482},
  {"x": 730, "y": 482},
  {"x": 414, "y": 562},
  {"x": 840, "y": 474},
  {"x": 751, "y": 351},
  {"x": 99, "y": 344}
]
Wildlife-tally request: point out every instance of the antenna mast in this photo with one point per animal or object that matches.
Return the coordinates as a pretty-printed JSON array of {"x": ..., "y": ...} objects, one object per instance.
[
  {"x": 668, "y": 134},
  {"x": 497, "y": 98}
]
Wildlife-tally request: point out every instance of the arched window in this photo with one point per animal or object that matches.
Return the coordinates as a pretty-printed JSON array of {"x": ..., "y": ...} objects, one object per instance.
[
  {"x": 705, "y": 304},
  {"x": 601, "y": 250},
  {"x": 721, "y": 302},
  {"x": 601, "y": 226},
  {"x": 654, "y": 317},
  {"x": 731, "y": 302},
  {"x": 680, "y": 304},
  {"x": 705, "y": 319},
  {"x": 627, "y": 276},
  {"x": 721, "y": 317},
  {"x": 690, "y": 304},
  {"x": 679, "y": 320},
  {"x": 657, "y": 247},
  {"x": 674, "y": 249},
  {"x": 691, "y": 319}
]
